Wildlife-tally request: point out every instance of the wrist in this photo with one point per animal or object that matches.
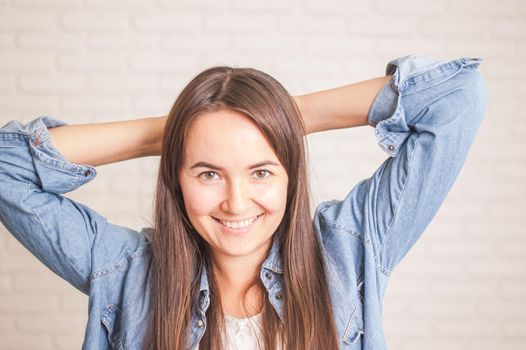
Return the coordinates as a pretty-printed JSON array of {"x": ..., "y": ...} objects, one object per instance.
[{"x": 156, "y": 135}]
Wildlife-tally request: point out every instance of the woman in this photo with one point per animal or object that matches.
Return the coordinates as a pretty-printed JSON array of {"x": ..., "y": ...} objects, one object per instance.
[{"x": 234, "y": 259}]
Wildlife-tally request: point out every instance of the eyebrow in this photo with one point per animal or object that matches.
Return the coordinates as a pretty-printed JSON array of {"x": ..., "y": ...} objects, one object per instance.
[{"x": 216, "y": 167}]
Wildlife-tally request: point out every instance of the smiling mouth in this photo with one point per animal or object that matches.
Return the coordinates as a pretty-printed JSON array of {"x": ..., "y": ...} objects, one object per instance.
[{"x": 238, "y": 225}]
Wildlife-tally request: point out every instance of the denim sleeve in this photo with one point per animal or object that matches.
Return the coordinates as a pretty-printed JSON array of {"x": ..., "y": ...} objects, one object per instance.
[
  {"x": 71, "y": 239},
  {"x": 425, "y": 120}
]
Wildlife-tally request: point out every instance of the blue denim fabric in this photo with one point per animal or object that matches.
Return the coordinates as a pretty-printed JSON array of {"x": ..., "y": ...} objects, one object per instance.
[{"x": 425, "y": 120}]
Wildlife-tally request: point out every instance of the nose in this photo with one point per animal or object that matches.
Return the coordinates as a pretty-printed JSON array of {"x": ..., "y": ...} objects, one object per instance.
[{"x": 237, "y": 198}]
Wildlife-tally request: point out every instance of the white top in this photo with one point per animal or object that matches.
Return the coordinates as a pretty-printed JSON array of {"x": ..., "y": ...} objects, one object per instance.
[{"x": 242, "y": 333}]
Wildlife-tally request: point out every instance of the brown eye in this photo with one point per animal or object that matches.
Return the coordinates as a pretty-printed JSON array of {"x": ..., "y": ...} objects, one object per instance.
[
  {"x": 265, "y": 174},
  {"x": 207, "y": 173}
]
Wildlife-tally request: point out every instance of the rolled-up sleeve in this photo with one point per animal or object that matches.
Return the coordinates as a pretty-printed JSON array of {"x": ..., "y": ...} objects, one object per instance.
[
  {"x": 70, "y": 238},
  {"x": 425, "y": 120}
]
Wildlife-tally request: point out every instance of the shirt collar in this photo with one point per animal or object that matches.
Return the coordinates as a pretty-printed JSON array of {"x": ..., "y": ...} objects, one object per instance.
[{"x": 272, "y": 262}]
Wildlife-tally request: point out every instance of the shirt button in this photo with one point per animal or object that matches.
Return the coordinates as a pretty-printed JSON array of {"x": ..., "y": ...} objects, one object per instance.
[
  {"x": 268, "y": 275},
  {"x": 87, "y": 172},
  {"x": 200, "y": 323},
  {"x": 279, "y": 296},
  {"x": 391, "y": 147}
]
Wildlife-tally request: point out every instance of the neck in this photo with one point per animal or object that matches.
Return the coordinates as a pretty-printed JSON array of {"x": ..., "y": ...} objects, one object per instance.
[{"x": 234, "y": 275}]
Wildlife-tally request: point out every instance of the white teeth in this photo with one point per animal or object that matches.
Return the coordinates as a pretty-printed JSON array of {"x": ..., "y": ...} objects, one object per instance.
[{"x": 238, "y": 224}]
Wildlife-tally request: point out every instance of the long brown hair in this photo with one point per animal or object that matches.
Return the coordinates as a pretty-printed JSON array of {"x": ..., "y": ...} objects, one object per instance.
[{"x": 180, "y": 254}]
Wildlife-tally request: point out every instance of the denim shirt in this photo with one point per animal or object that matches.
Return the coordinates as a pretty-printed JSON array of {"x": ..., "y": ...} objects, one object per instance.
[{"x": 425, "y": 120}]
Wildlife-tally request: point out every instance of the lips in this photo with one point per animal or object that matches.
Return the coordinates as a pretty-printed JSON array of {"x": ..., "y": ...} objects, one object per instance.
[{"x": 240, "y": 225}]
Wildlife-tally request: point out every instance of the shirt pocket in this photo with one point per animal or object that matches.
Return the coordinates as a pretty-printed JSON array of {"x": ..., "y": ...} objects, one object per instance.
[
  {"x": 111, "y": 320},
  {"x": 352, "y": 336}
]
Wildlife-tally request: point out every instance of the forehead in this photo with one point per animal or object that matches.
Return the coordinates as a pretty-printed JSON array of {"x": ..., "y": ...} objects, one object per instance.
[{"x": 226, "y": 137}]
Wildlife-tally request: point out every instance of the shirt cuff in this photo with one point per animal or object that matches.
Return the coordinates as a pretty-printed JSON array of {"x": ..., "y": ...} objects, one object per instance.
[{"x": 55, "y": 173}]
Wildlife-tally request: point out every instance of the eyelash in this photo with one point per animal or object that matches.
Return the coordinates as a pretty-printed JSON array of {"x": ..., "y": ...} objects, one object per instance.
[{"x": 263, "y": 178}]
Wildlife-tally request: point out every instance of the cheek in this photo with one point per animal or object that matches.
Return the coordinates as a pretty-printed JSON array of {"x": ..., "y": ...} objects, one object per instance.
[
  {"x": 198, "y": 201},
  {"x": 273, "y": 198}
]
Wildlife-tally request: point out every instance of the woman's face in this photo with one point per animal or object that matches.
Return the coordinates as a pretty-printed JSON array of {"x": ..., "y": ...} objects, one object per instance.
[{"x": 231, "y": 173}]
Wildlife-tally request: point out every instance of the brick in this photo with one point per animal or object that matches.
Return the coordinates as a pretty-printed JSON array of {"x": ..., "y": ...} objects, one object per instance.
[
  {"x": 495, "y": 269},
  {"x": 257, "y": 7},
  {"x": 189, "y": 6},
  {"x": 298, "y": 67},
  {"x": 115, "y": 42},
  {"x": 7, "y": 325},
  {"x": 324, "y": 46},
  {"x": 508, "y": 29},
  {"x": 504, "y": 308},
  {"x": 443, "y": 308},
  {"x": 7, "y": 40},
  {"x": 455, "y": 28},
  {"x": 11, "y": 263},
  {"x": 462, "y": 249},
  {"x": 404, "y": 325},
  {"x": 162, "y": 63},
  {"x": 7, "y": 82},
  {"x": 51, "y": 84},
  {"x": 21, "y": 341},
  {"x": 437, "y": 344},
  {"x": 93, "y": 104},
  {"x": 26, "y": 62},
  {"x": 195, "y": 44},
  {"x": 464, "y": 287},
  {"x": 504, "y": 69},
  {"x": 26, "y": 304},
  {"x": 53, "y": 42},
  {"x": 515, "y": 329},
  {"x": 409, "y": 8},
  {"x": 74, "y": 302},
  {"x": 16, "y": 21},
  {"x": 380, "y": 27},
  {"x": 492, "y": 344},
  {"x": 111, "y": 83},
  {"x": 73, "y": 340},
  {"x": 495, "y": 133},
  {"x": 394, "y": 306},
  {"x": 21, "y": 106},
  {"x": 120, "y": 6},
  {"x": 297, "y": 25},
  {"x": 468, "y": 327},
  {"x": 473, "y": 8},
  {"x": 402, "y": 46},
  {"x": 265, "y": 45},
  {"x": 402, "y": 288},
  {"x": 230, "y": 24},
  {"x": 435, "y": 268},
  {"x": 47, "y": 324},
  {"x": 99, "y": 63},
  {"x": 40, "y": 283},
  {"x": 5, "y": 282},
  {"x": 512, "y": 248},
  {"x": 180, "y": 24},
  {"x": 470, "y": 209},
  {"x": 46, "y": 5},
  {"x": 479, "y": 48},
  {"x": 512, "y": 289},
  {"x": 337, "y": 7},
  {"x": 158, "y": 104},
  {"x": 496, "y": 228},
  {"x": 95, "y": 22}
]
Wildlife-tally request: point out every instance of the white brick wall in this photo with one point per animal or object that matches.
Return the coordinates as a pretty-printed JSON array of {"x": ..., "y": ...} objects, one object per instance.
[{"x": 462, "y": 286}]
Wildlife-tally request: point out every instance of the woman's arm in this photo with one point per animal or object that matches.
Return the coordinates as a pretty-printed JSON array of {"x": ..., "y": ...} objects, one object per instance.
[
  {"x": 109, "y": 142},
  {"x": 342, "y": 107},
  {"x": 112, "y": 142}
]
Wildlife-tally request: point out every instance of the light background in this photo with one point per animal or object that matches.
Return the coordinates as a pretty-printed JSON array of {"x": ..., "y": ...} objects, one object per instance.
[{"x": 462, "y": 286}]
